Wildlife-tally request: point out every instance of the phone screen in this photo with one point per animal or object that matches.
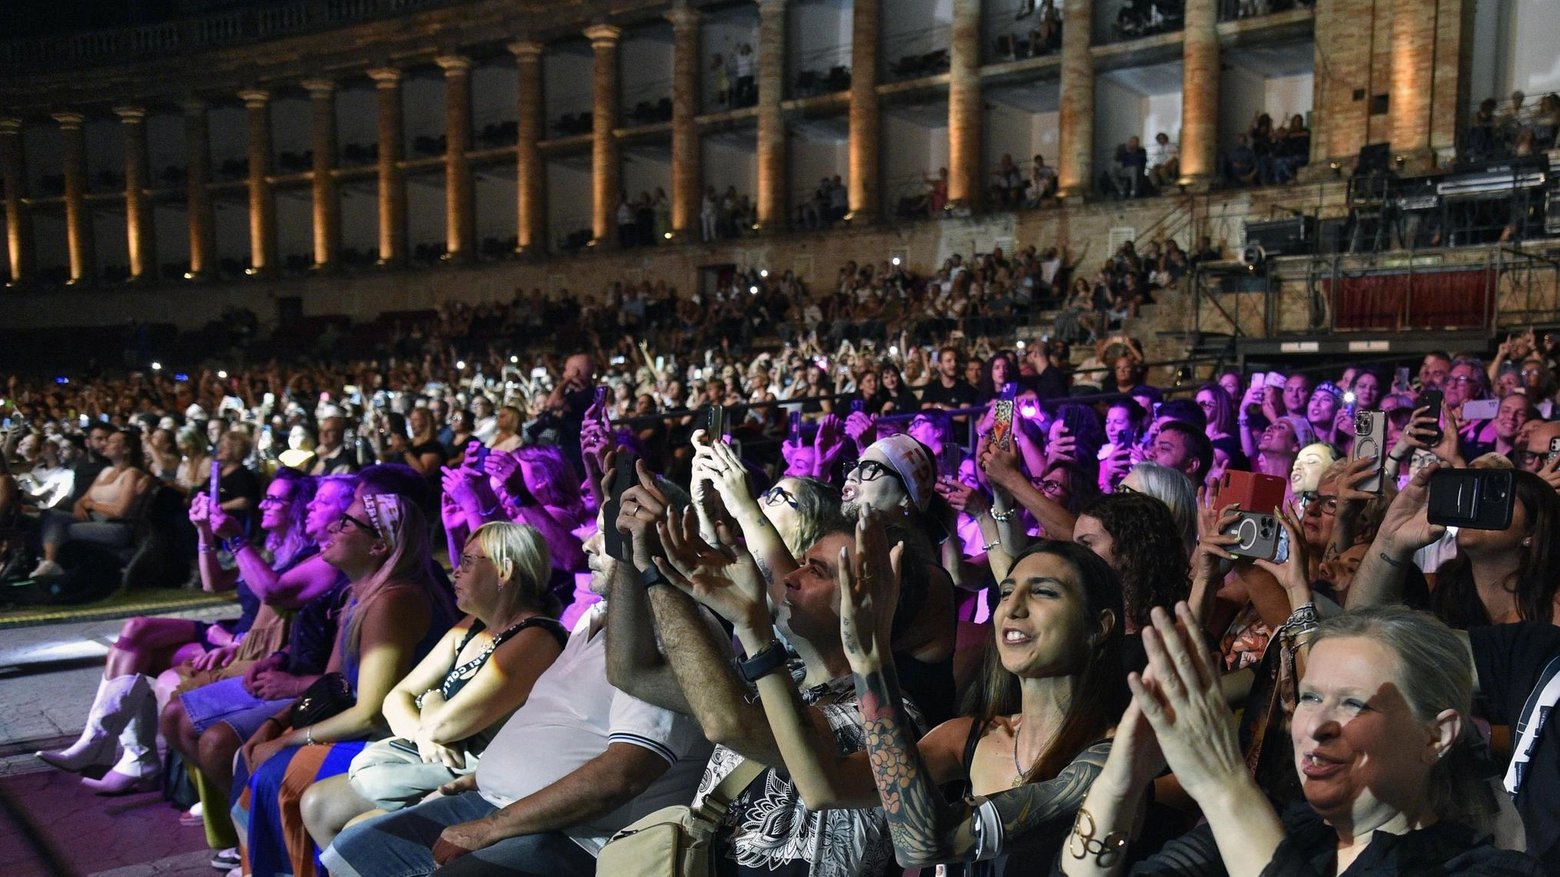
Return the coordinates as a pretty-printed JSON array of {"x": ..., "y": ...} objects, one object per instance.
[{"x": 1002, "y": 424}]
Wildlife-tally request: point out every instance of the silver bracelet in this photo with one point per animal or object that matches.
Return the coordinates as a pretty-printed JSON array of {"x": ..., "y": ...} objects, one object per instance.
[{"x": 1003, "y": 517}]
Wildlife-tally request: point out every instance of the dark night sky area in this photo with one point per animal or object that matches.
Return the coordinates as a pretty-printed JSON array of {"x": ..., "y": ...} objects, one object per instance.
[{"x": 29, "y": 18}]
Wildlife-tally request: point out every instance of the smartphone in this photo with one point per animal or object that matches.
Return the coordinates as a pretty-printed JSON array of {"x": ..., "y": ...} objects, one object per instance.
[
  {"x": 1473, "y": 499},
  {"x": 404, "y": 745},
  {"x": 1072, "y": 419},
  {"x": 949, "y": 457},
  {"x": 624, "y": 477},
  {"x": 715, "y": 427},
  {"x": 793, "y": 432},
  {"x": 1261, "y": 537},
  {"x": 1434, "y": 400},
  {"x": 1554, "y": 451},
  {"x": 1480, "y": 409},
  {"x": 1402, "y": 379},
  {"x": 538, "y": 373},
  {"x": 855, "y": 406},
  {"x": 479, "y": 461},
  {"x": 1370, "y": 433},
  {"x": 1254, "y": 491},
  {"x": 1009, "y": 390},
  {"x": 1002, "y": 423},
  {"x": 601, "y": 396}
]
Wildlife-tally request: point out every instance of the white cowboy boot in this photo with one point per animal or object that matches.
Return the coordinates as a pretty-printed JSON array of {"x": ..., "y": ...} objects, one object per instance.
[
  {"x": 138, "y": 769},
  {"x": 98, "y": 743}
]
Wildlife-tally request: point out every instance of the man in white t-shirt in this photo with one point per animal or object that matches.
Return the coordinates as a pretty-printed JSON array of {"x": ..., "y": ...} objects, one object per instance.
[
  {"x": 1164, "y": 162},
  {"x": 579, "y": 761}
]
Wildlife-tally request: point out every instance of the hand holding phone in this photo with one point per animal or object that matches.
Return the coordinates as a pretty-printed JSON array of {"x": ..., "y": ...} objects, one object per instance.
[
  {"x": 1370, "y": 434},
  {"x": 1002, "y": 424},
  {"x": 617, "y": 545},
  {"x": 1435, "y": 400}
]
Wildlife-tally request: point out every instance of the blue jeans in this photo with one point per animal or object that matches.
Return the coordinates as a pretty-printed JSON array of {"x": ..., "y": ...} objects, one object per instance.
[{"x": 401, "y": 845}]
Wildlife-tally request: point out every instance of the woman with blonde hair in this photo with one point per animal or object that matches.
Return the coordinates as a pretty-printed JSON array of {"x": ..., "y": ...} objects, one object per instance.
[
  {"x": 395, "y": 615},
  {"x": 445, "y": 712}
]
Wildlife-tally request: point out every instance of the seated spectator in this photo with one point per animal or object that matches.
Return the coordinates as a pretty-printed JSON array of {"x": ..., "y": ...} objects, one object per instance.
[
  {"x": 1240, "y": 163},
  {"x": 106, "y": 513},
  {"x": 1127, "y": 175},
  {"x": 1405, "y": 671},
  {"x": 331, "y": 455},
  {"x": 1042, "y": 181},
  {"x": 1164, "y": 163},
  {"x": 1291, "y": 149},
  {"x": 395, "y": 616},
  {"x": 452, "y": 704},
  {"x": 1008, "y": 189},
  {"x": 611, "y": 757}
]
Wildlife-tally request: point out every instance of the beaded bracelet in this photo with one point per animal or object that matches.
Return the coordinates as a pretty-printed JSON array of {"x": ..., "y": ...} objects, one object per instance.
[{"x": 1003, "y": 517}]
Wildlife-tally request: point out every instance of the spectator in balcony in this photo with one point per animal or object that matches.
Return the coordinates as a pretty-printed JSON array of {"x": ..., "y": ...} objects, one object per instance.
[
  {"x": 625, "y": 222},
  {"x": 662, "y": 207},
  {"x": 747, "y": 88},
  {"x": 1130, "y": 164},
  {"x": 1511, "y": 121},
  {"x": 1291, "y": 149},
  {"x": 1009, "y": 184},
  {"x": 1546, "y": 122},
  {"x": 1042, "y": 181},
  {"x": 644, "y": 220},
  {"x": 839, "y": 200},
  {"x": 1164, "y": 162},
  {"x": 1481, "y": 132},
  {"x": 1047, "y": 35},
  {"x": 1240, "y": 163},
  {"x": 1261, "y": 138},
  {"x": 722, "y": 81},
  {"x": 709, "y": 214}
]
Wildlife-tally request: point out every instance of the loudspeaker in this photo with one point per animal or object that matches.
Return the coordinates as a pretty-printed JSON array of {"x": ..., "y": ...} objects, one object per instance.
[{"x": 1283, "y": 237}]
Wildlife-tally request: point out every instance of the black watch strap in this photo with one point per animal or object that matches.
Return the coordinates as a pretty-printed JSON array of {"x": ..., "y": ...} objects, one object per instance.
[
  {"x": 653, "y": 576},
  {"x": 769, "y": 658}
]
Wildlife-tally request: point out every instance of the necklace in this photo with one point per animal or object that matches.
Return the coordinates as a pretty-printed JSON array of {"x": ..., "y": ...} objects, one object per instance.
[{"x": 1018, "y": 769}]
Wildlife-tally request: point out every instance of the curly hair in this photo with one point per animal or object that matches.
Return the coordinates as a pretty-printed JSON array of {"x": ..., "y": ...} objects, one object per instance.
[{"x": 1149, "y": 555}]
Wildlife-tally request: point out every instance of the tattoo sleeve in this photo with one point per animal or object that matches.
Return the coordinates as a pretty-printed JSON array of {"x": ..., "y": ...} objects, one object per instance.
[{"x": 924, "y": 827}]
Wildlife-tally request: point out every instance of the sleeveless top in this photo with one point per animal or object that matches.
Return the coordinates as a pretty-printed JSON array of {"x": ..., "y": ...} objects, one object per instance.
[
  {"x": 1025, "y": 854},
  {"x": 437, "y": 625},
  {"x": 462, "y": 672}
]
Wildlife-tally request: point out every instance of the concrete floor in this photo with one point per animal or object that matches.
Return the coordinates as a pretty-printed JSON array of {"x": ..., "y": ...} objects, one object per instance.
[{"x": 49, "y": 825}]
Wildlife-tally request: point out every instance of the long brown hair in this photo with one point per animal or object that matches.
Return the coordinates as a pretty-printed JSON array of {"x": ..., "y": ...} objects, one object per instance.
[{"x": 1101, "y": 691}]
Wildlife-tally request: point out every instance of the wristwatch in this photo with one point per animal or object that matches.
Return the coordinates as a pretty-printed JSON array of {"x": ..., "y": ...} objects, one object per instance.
[
  {"x": 766, "y": 661},
  {"x": 653, "y": 576}
]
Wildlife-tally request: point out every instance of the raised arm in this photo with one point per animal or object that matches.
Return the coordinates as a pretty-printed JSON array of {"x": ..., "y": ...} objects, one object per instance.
[{"x": 1405, "y": 528}]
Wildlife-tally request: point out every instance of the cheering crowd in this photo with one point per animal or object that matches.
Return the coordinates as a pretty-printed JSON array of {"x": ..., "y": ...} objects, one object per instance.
[{"x": 860, "y": 602}]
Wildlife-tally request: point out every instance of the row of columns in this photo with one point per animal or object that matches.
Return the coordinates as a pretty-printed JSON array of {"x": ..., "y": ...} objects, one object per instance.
[{"x": 1198, "y": 141}]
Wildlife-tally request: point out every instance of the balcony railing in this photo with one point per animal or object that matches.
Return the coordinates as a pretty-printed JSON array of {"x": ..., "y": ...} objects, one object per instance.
[{"x": 222, "y": 29}]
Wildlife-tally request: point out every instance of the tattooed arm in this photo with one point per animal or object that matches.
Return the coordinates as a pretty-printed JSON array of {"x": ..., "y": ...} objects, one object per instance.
[{"x": 926, "y": 829}]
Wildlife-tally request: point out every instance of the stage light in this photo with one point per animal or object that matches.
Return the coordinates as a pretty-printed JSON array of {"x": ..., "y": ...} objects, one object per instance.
[
  {"x": 222, "y": 375},
  {"x": 763, "y": 272},
  {"x": 460, "y": 364},
  {"x": 156, "y": 366}
]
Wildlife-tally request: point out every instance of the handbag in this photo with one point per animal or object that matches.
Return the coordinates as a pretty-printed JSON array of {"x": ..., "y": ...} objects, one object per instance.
[
  {"x": 325, "y": 697},
  {"x": 675, "y": 841}
]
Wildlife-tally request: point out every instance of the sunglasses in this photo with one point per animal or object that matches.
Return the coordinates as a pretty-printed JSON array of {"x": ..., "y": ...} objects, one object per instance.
[{"x": 871, "y": 470}]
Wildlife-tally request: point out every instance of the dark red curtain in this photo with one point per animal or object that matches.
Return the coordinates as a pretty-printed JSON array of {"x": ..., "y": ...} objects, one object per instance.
[{"x": 1432, "y": 300}]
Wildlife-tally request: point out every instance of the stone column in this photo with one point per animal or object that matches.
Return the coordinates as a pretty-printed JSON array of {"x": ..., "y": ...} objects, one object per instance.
[
  {"x": 460, "y": 235},
  {"x": 772, "y": 196},
  {"x": 531, "y": 223},
  {"x": 202, "y": 221},
  {"x": 1413, "y": 68},
  {"x": 1200, "y": 96},
  {"x": 605, "y": 166},
  {"x": 865, "y": 120},
  {"x": 966, "y": 117},
  {"x": 262, "y": 206},
  {"x": 18, "y": 223},
  {"x": 392, "y": 190},
  {"x": 139, "y": 231},
  {"x": 687, "y": 161},
  {"x": 78, "y": 219},
  {"x": 326, "y": 196},
  {"x": 1075, "y": 165}
]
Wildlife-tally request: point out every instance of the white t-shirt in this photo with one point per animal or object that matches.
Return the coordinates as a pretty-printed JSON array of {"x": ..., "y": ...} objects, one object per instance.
[
  {"x": 1158, "y": 155},
  {"x": 573, "y": 713}
]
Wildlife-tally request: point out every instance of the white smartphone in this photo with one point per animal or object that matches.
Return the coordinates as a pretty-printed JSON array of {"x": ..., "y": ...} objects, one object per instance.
[{"x": 1480, "y": 409}]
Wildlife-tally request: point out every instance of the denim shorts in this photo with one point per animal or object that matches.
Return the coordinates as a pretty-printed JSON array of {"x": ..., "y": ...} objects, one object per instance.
[{"x": 228, "y": 701}]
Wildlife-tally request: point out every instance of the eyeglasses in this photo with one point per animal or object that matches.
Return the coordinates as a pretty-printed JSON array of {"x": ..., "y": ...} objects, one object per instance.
[
  {"x": 1526, "y": 458},
  {"x": 871, "y": 470},
  {"x": 778, "y": 494},
  {"x": 467, "y": 561},
  {"x": 357, "y": 524},
  {"x": 1050, "y": 486},
  {"x": 1324, "y": 503},
  {"x": 274, "y": 500}
]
